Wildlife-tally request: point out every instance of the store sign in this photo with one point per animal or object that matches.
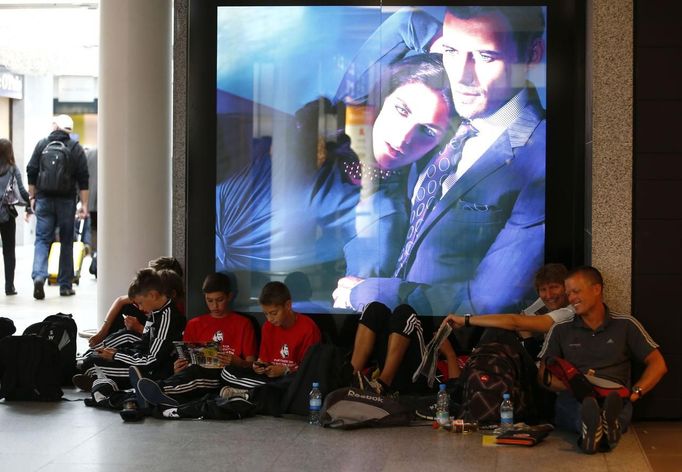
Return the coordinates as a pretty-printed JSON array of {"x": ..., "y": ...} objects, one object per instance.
[{"x": 11, "y": 85}]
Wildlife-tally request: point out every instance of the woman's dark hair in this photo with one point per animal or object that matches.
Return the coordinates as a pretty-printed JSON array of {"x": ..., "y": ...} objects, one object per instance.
[
  {"x": 424, "y": 69},
  {"x": 6, "y": 153},
  {"x": 217, "y": 282},
  {"x": 274, "y": 293}
]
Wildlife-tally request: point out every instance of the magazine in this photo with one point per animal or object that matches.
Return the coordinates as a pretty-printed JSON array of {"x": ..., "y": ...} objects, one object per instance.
[{"x": 202, "y": 354}]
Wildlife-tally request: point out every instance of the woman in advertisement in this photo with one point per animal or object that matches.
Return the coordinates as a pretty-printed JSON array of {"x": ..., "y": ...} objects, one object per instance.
[{"x": 361, "y": 202}]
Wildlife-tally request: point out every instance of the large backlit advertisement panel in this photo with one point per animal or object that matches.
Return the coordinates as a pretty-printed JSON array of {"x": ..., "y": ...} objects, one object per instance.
[{"x": 394, "y": 154}]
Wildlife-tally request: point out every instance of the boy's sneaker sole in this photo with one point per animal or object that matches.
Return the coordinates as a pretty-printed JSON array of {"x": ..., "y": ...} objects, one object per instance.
[
  {"x": 613, "y": 405},
  {"x": 153, "y": 394},
  {"x": 135, "y": 375},
  {"x": 231, "y": 392},
  {"x": 592, "y": 432}
]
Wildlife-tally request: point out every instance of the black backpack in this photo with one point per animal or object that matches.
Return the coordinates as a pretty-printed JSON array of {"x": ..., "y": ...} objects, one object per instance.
[
  {"x": 7, "y": 327},
  {"x": 30, "y": 369},
  {"x": 322, "y": 363},
  {"x": 491, "y": 370},
  {"x": 61, "y": 330},
  {"x": 217, "y": 408},
  {"x": 55, "y": 174}
]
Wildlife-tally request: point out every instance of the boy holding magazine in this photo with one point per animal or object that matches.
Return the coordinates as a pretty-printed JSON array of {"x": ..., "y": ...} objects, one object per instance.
[{"x": 233, "y": 332}]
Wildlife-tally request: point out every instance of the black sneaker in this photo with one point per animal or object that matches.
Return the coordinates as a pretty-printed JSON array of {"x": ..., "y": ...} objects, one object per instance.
[
  {"x": 10, "y": 290},
  {"x": 427, "y": 412},
  {"x": 83, "y": 382},
  {"x": 131, "y": 412},
  {"x": 613, "y": 405},
  {"x": 592, "y": 431},
  {"x": 135, "y": 376},
  {"x": 38, "y": 290},
  {"x": 66, "y": 291},
  {"x": 153, "y": 394}
]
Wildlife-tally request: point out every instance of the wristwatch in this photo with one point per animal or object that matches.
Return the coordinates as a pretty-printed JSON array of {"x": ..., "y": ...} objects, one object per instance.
[{"x": 638, "y": 390}]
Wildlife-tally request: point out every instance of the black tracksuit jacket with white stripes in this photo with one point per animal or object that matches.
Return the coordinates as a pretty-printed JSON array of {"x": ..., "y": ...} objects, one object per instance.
[{"x": 156, "y": 348}]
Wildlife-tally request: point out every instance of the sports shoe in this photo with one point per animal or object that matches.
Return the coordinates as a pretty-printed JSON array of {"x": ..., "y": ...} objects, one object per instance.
[
  {"x": 171, "y": 413},
  {"x": 153, "y": 393},
  {"x": 613, "y": 405},
  {"x": 231, "y": 392},
  {"x": 427, "y": 412},
  {"x": 374, "y": 385},
  {"x": 131, "y": 412},
  {"x": 82, "y": 382},
  {"x": 592, "y": 431},
  {"x": 38, "y": 290},
  {"x": 135, "y": 375},
  {"x": 66, "y": 291}
]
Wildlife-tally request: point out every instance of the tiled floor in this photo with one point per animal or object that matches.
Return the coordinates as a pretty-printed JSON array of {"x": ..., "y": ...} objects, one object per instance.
[{"x": 67, "y": 436}]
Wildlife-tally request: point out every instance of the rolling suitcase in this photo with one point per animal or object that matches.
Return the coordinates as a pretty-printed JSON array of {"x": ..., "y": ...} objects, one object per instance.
[{"x": 78, "y": 255}]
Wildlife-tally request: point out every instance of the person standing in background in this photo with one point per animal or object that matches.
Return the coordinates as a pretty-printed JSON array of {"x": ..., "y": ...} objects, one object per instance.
[
  {"x": 8, "y": 213},
  {"x": 53, "y": 199}
]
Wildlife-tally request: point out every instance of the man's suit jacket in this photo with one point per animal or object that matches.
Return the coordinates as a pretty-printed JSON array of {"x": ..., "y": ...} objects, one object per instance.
[{"x": 478, "y": 250}]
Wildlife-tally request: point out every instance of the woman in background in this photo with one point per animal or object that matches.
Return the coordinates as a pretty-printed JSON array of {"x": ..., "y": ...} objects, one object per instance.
[{"x": 8, "y": 212}]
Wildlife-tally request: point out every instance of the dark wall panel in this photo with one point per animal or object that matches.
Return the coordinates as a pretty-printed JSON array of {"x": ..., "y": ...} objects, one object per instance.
[{"x": 657, "y": 205}]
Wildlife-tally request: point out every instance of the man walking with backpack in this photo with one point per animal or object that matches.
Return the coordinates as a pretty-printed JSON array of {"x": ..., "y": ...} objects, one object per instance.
[{"x": 57, "y": 174}]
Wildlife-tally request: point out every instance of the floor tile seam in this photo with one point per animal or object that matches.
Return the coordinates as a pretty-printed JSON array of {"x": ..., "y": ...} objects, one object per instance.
[{"x": 641, "y": 447}]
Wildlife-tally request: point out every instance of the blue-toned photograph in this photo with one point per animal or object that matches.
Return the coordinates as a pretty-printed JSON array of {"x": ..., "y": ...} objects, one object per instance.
[{"x": 392, "y": 154}]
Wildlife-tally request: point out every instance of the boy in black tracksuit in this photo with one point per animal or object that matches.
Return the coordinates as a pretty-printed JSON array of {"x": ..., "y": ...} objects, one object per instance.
[{"x": 109, "y": 369}]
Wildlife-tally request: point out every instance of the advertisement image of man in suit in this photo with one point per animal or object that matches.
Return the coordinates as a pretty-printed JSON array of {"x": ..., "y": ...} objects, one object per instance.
[{"x": 476, "y": 233}]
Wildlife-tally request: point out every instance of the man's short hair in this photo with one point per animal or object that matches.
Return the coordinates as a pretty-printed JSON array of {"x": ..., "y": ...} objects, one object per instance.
[
  {"x": 217, "y": 282},
  {"x": 145, "y": 281},
  {"x": 274, "y": 293},
  {"x": 166, "y": 262},
  {"x": 527, "y": 23},
  {"x": 550, "y": 274},
  {"x": 589, "y": 272}
]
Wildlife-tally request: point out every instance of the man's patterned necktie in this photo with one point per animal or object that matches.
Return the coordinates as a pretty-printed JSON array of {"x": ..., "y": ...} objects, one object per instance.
[{"x": 429, "y": 192}]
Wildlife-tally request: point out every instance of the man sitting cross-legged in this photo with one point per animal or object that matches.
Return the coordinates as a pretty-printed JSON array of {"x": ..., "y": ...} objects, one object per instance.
[{"x": 603, "y": 343}]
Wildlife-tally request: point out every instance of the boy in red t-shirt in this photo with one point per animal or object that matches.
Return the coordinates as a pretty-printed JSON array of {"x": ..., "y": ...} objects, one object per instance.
[
  {"x": 234, "y": 333},
  {"x": 285, "y": 338}
]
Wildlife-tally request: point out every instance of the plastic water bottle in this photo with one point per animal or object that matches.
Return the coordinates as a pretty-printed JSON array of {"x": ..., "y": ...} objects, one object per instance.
[
  {"x": 443, "y": 407},
  {"x": 315, "y": 403},
  {"x": 506, "y": 413}
]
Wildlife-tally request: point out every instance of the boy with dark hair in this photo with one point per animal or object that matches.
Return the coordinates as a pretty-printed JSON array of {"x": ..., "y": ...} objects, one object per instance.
[
  {"x": 232, "y": 331},
  {"x": 124, "y": 315},
  {"x": 107, "y": 369},
  {"x": 285, "y": 338}
]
